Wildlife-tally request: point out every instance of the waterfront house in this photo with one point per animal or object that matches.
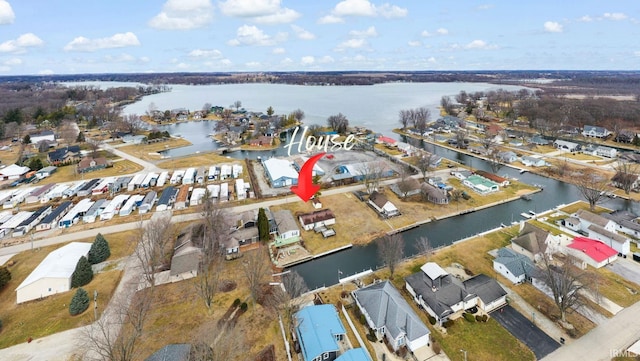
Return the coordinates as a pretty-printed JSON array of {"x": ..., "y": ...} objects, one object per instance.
[
  {"x": 595, "y": 132},
  {"x": 481, "y": 184},
  {"x": 621, "y": 180},
  {"x": 534, "y": 242},
  {"x": 390, "y": 316},
  {"x": 614, "y": 240},
  {"x": 508, "y": 156},
  {"x": 382, "y": 205},
  {"x": 538, "y": 140},
  {"x": 319, "y": 332},
  {"x": 626, "y": 222},
  {"x": 588, "y": 218},
  {"x": 434, "y": 194},
  {"x": 514, "y": 266},
  {"x": 494, "y": 177},
  {"x": 280, "y": 172},
  {"x": 606, "y": 152},
  {"x": 564, "y": 145},
  {"x": 533, "y": 161},
  {"x": 406, "y": 187},
  {"x": 317, "y": 219},
  {"x": 591, "y": 252},
  {"x": 287, "y": 229}
]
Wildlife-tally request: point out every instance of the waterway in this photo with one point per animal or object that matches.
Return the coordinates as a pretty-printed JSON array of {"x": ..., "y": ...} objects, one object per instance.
[{"x": 324, "y": 271}]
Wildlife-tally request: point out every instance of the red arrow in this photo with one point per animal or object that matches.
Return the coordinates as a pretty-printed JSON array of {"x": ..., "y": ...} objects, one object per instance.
[{"x": 305, "y": 188}]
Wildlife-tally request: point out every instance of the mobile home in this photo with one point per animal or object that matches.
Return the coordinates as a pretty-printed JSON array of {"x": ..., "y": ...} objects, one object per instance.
[
  {"x": 51, "y": 220},
  {"x": 130, "y": 205},
  {"x": 162, "y": 179},
  {"x": 213, "y": 173},
  {"x": 55, "y": 192},
  {"x": 113, "y": 207},
  {"x": 135, "y": 182},
  {"x": 103, "y": 186},
  {"x": 35, "y": 218},
  {"x": 73, "y": 216},
  {"x": 38, "y": 194},
  {"x": 176, "y": 177},
  {"x": 147, "y": 202},
  {"x": 182, "y": 197},
  {"x": 241, "y": 192},
  {"x": 200, "y": 177},
  {"x": 196, "y": 196},
  {"x": 73, "y": 190},
  {"x": 92, "y": 213},
  {"x": 189, "y": 176},
  {"x": 214, "y": 190},
  {"x": 224, "y": 192},
  {"x": 87, "y": 189},
  {"x": 166, "y": 199}
]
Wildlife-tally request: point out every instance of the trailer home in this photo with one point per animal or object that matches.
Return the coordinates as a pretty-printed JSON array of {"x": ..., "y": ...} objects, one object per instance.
[
  {"x": 113, "y": 207},
  {"x": 92, "y": 214},
  {"x": 73, "y": 216},
  {"x": 147, "y": 202},
  {"x": 51, "y": 220}
]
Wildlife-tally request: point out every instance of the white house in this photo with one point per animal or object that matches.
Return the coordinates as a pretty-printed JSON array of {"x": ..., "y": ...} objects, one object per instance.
[
  {"x": 591, "y": 252},
  {"x": 317, "y": 219},
  {"x": 53, "y": 274},
  {"x": 564, "y": 145},
  {"x": 614, "y": 240},
  {"x": 587, "y": 218},
  {"x": 13, "y": 172},
  {"x": 533, "y": 162},
  {"x": 595, "y": 132},
  {"x": 606, "y": 152},
  {"x": 46, "y": 172},
  {"x": 514, "y": 266},
  {"x": 391, "y": 317},
  {"x": 47, "y": 135},
  {"x": 382, "y": 205}
]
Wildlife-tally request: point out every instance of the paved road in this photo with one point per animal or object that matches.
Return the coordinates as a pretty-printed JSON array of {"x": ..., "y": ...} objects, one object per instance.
[
  {"x": 615, "y": 335},
  {"x": 148, "y": 166},
  {"x": 626, "y": 268},
  {"x": 524, "y": 330}
]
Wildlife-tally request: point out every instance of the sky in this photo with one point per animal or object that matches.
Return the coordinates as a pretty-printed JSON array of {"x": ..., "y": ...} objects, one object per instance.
[{"x": 136, "y": 36}]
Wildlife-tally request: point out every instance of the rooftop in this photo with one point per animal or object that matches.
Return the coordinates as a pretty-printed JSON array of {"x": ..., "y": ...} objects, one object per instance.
[
  {"x": 597, "y": 250},
  {"x": 59, "y": 263},
  {"x": 316, "y": 328}
]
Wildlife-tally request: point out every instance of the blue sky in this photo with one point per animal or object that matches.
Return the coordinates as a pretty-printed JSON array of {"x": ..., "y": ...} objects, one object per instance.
[{"x": 114, "y": 36}]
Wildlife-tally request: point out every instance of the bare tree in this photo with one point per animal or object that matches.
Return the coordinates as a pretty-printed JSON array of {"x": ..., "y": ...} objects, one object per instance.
[
  {"x": 405, "y": 185},
  {"x": 391, "y": 250},
  {"x": 424, "y": 247},
  {"x": 208, "y": 279},
  {"x": 566, "y": 282},
  {"x": 131, "y": 123},
  {"x": 404, "y": 117},
  {"x": 626, "y": 176},
  {"x": 116, "y": 335},
  {"x": 237, "y": 104},
  {"x": 226, "y": 115},
  {"x": 219, "y": 343},
  {"x": 206, "y": 108},
  {"x": 446, "y": 104},
  {"x": 495, "y": 159},
  {"x": 592, "y": 187},
  {"x": 287, "y": 300},
  {"x": 426, "y": 163},
  {"x": 338, "y": 122},
  {"x": 153, "y": 247},
  {"x": 255, "y": 267},
  {"x": 94, "y": 146},
  {"x": 371, "y": 174},
  {"x": 461, "y": 138},
  {"x": 68, "y": 131}
]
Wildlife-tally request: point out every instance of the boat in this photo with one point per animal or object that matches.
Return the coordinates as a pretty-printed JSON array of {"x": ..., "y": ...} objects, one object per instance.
[
  {"x": 526, "y": 197},
  {"x": 526, "y": 215},
  {"x": 532, "y": 213},
  {"x": 522, "y": 170}
]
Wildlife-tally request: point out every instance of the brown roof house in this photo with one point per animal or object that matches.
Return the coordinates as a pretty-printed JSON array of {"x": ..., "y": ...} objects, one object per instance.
[
  {"x": 533, "y": 242},
  {"x": 434, "y": 195},
  {"x": 317, "y": 219},
  {"x": 89, "y": 164},
  {"x": 381, "y": 204}
]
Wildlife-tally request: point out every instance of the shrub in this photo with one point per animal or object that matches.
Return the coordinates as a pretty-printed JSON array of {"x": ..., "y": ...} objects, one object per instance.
[
  {"x": 99, "y": 250},
  {"x": 243, "y": 307},
  {"x": 79, "y": 302},
  {"x": 485, "y": 318},
  {"x": 371, "y": 335},
  {"x": 5, "y": 276},
  {"x": 432, "y": 320},
  {"x": 236, "y": 302},
  {"x": 469, "y": 317},
  {"x": 436, "y": 348},
  {"x": 478, "y": 318},
  {"x": 82, "y": 274},
  {"x": 447, "y": 323},
  {"x": 363, "y": 320}
]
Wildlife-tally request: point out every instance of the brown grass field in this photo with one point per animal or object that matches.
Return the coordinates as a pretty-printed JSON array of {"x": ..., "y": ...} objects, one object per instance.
[
  {"x": 68, "y": 174},
  {"x": 199, "y": 160},
  {"x": 143, "y": 151}
]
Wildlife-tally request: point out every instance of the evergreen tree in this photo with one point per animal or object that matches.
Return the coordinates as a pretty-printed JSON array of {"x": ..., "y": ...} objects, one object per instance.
[
  {"x": 83, "y": 273},
  {"x": 26, "y": 139},
  {"x": 79, "y": 302},
  {"x": 99, "y": 250},
  {"x": 5, "y": 276},
  {"x": 35, "y": 164},
  {"x": 263, "y": 225},
  {"x": 80, "y": 137}
]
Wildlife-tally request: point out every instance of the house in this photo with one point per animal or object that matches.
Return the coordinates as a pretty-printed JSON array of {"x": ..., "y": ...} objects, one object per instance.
[
  {"x": 46, "y": 172},
  {"x": 173, "y": 352},
  {"x": 595, "y": 132},
  {"x": 507, "y": 157},
  {"x": 53, "y": 274},
  {"x": 434, "y": 194},
  {"x": 481, "y": 184},
  {"x": 477, "y": 149},
  {"x": 606, "y": 152},
  {"x": 92, "y": 213},
  {"x": 13, "y": 172},
  {"x": 534, "y": 242},
  {"x": 626, "y": 222},
  {"x": 564, "y": 145},
  {"x": 288, "y": 231},
  {"x": 591, "y": 252},
  {"x": 406, "y": 187},
  {"x": 46, "y": 135},
  {"x": 533, "y": 161},
  {"x": 261, "y": 141},
  {"x": 444, "y": 296},
  {"x": 382, "y": 205},
  {"x": 391, "y": 317},
  {"x": 494, "y": 178},
  {"x": 280, "y": 172},
  {"x": 622, "y": 180},
  {"x": 614, "y": 240},
  {"x": 625, "y": 136},
  {"x": 317, "y": 219},
  {"x": 514, "y": 266},
  {"x": 319, "y": 330},
  {"x": 538, "y": 140},
  {"x": 461, "y": 174},
  {"x": 186, "y": 254},
  {"x": 245, "y": 229},
  {"x": 298, "y": 162},
  {"x": 587, "y": 218},
  {"x": 64, "y": 155},
  {"x": 51, "y": 220},
  {"x": 359, "y": 171},
  {"x": 38, "y": 194},
  {"x": 390, "y": 142},
  {"x": 354, "y": 354},
  {"x": 27, "y": 225}
]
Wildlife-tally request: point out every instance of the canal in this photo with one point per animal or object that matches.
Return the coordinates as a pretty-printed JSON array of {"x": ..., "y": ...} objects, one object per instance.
[{"x": 324, "y": 271}]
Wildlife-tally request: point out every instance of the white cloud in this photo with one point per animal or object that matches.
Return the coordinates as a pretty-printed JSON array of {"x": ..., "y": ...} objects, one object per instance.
[
  {"x": 278, "y": 51},
  {"x": 283, "y": 16},
  {"x": 442, "y": 31},
  {"x": 253, "y": 64},
  {"x": 351, "y": 44},
  {"x": 425, "y": 34},
  {"x": 13, "y": 62},
  {"x": 183, "y": 66},
  {"x": 144, "y": 59},
  {"x": 368, "y": 33},
  {"x": 586, "y": 19},
  {"x": 431, "y": 60},
  {"x": 636, "y": 53},
  {"x": 439, "y": 31},
  {"x": 307, "y": 60},
  {"x": 326, "y": 60},
  {"x": 6, "y": 13},
  {"x": 614, "y": 16},
  {"x": 484, "y": 7},
  {"x": 21, "y": 44},
  {"x": 119, "y": 40},
  {"x": 415, "y": 43},
  {"x": 206, "y": 53},
  {"x": 552, "y": 27},
  {"x": 480, "y": 44},
  {"x": 252, "y": 35},
  {"x": 183, "y": 15},
  {"x": 45, "y": 72},
  {"x": 302, "y": 33},
  {"x": 122, "y": 58},
  {"x": 262, "y": 11},
  {"x": 4, "y": 68},
  {"x": 362, "y": 8},
  {"x": 286, "y": 61}
]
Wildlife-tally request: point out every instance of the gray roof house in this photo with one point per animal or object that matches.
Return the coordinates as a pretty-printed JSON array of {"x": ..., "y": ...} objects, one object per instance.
[
  {"x": 434, "y": 195},
  {"x": 490, "y": 294},
  {"x": 594, "y": 131},
  {"x": 626, "y": 222},
  {"x": 614, "y": 240},
  {"x": 533, "y": 241},
  {"x": 387, "y": 312},
  {"x": 514, "y": 266},
  {"x": 186, "y": 257}
]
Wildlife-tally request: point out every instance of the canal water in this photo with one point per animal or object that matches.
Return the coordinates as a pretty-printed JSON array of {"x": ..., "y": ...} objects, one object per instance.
[{"x": 325, "y": 271}]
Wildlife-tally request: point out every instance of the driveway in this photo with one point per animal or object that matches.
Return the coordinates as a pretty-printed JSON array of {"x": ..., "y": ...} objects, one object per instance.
[
  {"x": 626, "y": 269},
  {"x": 524, "y": 330}
]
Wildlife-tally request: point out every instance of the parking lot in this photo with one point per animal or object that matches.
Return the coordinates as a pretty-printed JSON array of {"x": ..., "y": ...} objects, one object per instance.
[
  {"x": 626, "y": 268},
  {"x": 524, "y": 330}
]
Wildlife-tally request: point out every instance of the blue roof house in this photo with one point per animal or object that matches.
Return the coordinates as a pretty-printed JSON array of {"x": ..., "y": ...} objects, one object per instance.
[
  {"x": 355, "y": 354},
  {"x": 319, "y": 329},
  {"x": 280, "y": 172}
]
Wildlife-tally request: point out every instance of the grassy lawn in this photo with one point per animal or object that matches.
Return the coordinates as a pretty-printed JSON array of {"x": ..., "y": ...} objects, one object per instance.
[
  {"x": 581, "y": 156},
  {"x": 10, "y": 155},
  {"x": 618, "y": 289},
  {"x": 389, "y": 150},
  {"x": 199, "y": 160},
  {"x": 574, "y": 207},
  {"x": 143, "y": 151},
  {"x": 68, "y": 174}
]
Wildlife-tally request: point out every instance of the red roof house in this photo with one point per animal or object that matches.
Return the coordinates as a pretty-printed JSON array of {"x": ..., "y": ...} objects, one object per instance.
[
  {"x": 592, "y": 252},
  {"x": 387, "y": 140}
]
